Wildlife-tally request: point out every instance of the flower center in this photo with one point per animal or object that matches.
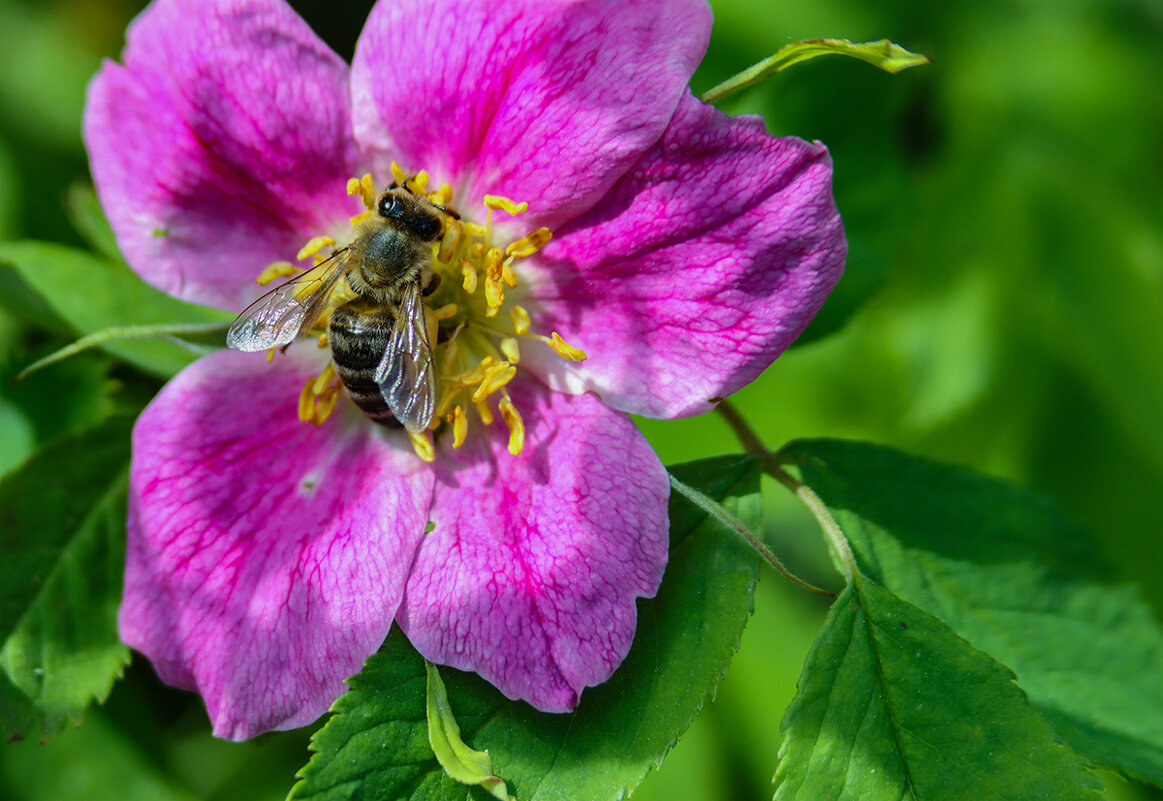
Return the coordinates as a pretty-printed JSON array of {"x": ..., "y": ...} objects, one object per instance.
[{"x": 475, "y": 327}]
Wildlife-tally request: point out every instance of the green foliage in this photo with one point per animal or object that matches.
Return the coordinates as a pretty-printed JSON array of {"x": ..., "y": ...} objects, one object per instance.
[
  {"x": 62, "y": 523},
  {"x": 884, "y": 54},
  {"x": 894, "y": 705},
  {"x": 376, "y": 745},
  {"x": 93, "y": 293},
  {"x": 1009, "y": 573}
]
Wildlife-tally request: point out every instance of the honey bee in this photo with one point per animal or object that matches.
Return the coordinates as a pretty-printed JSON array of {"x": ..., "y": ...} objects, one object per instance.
[{"x": 379, "y": 340}]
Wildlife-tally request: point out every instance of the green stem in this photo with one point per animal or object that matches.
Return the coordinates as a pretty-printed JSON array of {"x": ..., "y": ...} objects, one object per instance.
[
  {"x": 773, "y": 466},
  {"x": 715, "y": 510},
  {"x": 106, "y": 335}
]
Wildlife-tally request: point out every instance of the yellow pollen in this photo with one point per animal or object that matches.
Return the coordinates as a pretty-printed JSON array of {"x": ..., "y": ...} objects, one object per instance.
[
  {"x": 398, "y": 174},
  {"x": 442, "y": 196},
  {"x": 459, "y": 422},
  {"x": 507, "y": 274},
  {"x": 511, "y": 350},
  {"x": 323, "y": 342},
  {"x": 324, "y": 380},
  {"x": 314, "y": 246},
  {"x": 530, "y": 243},
  {"x": 448, "y": 244},
  {"x": 495, "y": 377},
  {"x": 474, "y": 230},
  {"x": 352, "y": 187},
  {"x": 520, "y": 319},
  {"x": 271, "y": 355},
  {"x": 421, "y": 182},
  {"x": 498, "y": 202},
  {"x": 564, "y": 349},
  {"x": 493, "y": 263},
  {"x": 477, "y": 374},
  {"x": 363, "y": 215},
  {"x": 494, "y": 296},
  {"x": 446, "y": 312},
  {"x": 516, "y": 425},
  {"x": 278, "y": 269},
  {"x": 486, "y": 413},
  {"x": 422, "y": 444},
  {"x": 470, "y": 276}
]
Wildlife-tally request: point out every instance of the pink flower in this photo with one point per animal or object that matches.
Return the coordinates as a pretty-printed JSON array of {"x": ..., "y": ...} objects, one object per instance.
[{"x": 267, "y": 558}]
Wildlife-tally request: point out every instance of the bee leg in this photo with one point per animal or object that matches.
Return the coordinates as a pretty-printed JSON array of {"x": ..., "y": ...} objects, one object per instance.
[{"x": 433, "y": 284}]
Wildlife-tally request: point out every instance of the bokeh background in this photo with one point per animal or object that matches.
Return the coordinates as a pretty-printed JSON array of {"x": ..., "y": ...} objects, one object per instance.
[{"x": 1002, "y": 309}]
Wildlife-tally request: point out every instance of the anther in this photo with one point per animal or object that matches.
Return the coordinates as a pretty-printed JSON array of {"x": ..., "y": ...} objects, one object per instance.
[
  {"x": 446, "y": 312},
  {"x": 496, "y": 377},
  {"x": 398, "y": 174},
  {"x": 507, "y": 274},
  {"x": 442, "y": 196},
  {"x": 494, "y": 296},
  {"x": 422, "y": 445},
  {"x": 470, "y": 276},
  {"x": 498, "y": 202},
  {"x": 511, "y": 350},
  {"x": 448, "y": 244},
  {"x": 516, "y": 425},
  {"x": 520, "y": 319},
  {"x": 459, "y": 422},
  {"x": 278, "y": 269},
  {"x": 485, "y": 412},
  {"x": 363, "y": 215},
  {"x": 324, "y": 379},
  {"x": 530, "y": 243},
  {"x": 564, "y": 349},
  {"x": 315, "y": 245}
]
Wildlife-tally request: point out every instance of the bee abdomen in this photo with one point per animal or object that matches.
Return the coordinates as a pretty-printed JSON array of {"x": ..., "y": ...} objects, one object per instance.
[{"x": 359, "y": 336}]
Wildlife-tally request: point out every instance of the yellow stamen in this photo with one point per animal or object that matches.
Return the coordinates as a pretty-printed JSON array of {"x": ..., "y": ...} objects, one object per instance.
[
  {"x": 422, "y": 444},
  {"x": 511, "y": 350},
  {"x": 324, "y": 380},
  {"x": 496, "y": 377},
  {"x": 516, "y": 425},
  {"x": 314, "y": 246},
  {"x": 278, "y": 269},
  {"x": 494, "y": 296},
  {"x": 307, "y": 401},
  {"x": 448, "y": 243},
  {"x": 499, "y": 202},
  {"x": 485, "y": 412},
  {"x": 451, "y": 350},
  {"x": 474, "y": 229},
  {"x": 520, "y": 319},
  {"x": 326, "y": 405},
  {"x": 493, "y": 261},
  {"x": 477, "y": 374},
  {"x": 507, "y": 274},
  {"x": 459, "y": 422},
  {"x": 271, "y": 354},
  {"x": 363, "y": 215},
  {"x": 442, "y": 196},
  {"x": 367, "y": 191},
  {"x": 398, "y": 174},
  {"x": 446, "y": 312},
  {"x": 323, "y": 341},
  {"x": 421, "y": 182},
  {"x": 563, "y": 348},
  {"x": 470, "y": 276},
  {"x": 530, "y": 243},
  {"x": 353, "y": 187}
]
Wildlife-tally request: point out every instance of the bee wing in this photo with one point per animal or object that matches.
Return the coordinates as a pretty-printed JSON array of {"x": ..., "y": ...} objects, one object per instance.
[
  {"x": 406, "y": 376},
  {"x": 288, "y": 310}
]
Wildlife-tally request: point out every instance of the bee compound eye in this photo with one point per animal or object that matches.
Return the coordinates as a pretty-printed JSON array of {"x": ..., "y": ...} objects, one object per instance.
[{"x": 389, "y": 207}]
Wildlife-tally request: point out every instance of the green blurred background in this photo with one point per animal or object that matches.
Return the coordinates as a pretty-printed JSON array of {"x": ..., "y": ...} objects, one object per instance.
[{"x": 1002, "y": 309}]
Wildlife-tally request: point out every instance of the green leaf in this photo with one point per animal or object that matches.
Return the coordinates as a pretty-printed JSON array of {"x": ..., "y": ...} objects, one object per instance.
[
  {"x": 376, "y": 745},
  {"x": 458, "y": 760},
  {"x": 62, "y": 533},
  {"x": 893, "y": 705},
  {"x": 93, "y": 293},
  {"x": 884, "y": 54},
  {"x": 1009, "y": 573},
  {"x": 87, "y": 216}
]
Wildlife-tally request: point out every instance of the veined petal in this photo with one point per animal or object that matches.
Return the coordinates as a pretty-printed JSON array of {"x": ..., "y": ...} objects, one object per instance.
[
  {"x": 696, "y": 271},
  {"x": 531, "y": 573},
  {"x": 266, "y": 557},
  {"x": 539, "y": 100},
  {"x": 221, "y": 145}
]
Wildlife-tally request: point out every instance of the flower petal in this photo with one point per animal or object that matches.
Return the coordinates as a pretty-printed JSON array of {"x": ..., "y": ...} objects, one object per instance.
[
  {"x": 266, "y": 557},
  {"x": 696, "y": 271},
  {"x": 539, "y": 100},
  {"x": 530, "y": 574},
  {"x": 223, "y": 144}
]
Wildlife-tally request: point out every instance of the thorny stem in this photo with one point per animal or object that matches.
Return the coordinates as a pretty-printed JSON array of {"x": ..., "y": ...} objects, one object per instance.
[
  {"x": 729, "y": 520},
  {"x": 773, "y": 467}
]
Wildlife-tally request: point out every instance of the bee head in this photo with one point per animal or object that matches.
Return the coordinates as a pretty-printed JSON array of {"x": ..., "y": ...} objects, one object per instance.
[{"x": 418, "y": 216}]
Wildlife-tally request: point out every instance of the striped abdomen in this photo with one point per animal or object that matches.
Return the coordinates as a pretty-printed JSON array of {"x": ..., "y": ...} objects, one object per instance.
[{"x": 359, "y": 335}]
